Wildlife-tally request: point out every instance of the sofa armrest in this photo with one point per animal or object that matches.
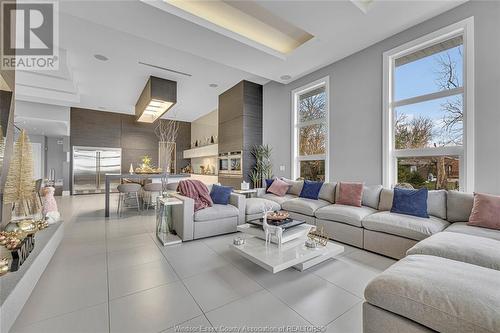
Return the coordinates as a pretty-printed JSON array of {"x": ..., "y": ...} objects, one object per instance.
[
  {"x": 260, "y": 192},
  {"x": 238, "y": 201},
  {"x": 183, "y": 218}
]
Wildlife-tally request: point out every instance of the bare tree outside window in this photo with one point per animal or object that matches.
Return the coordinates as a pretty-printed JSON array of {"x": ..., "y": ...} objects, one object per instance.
[
  {"x": 312, "y": 133},
  {"x": 415, "y": 132}
]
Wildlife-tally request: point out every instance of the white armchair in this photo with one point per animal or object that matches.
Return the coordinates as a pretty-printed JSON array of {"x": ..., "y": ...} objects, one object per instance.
[{"x": 211, "y": 221}]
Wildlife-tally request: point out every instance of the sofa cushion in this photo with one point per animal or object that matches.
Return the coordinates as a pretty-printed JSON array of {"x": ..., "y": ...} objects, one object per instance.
[
  {"x": 461, "y": 247},
  {"x": 327, "y": 192},
  {"x": 463, "y": 228},
  {"x": 371, "y": 196},
  {"x": 258, "y": 205},
  {"x": 459, "y": 206},
  {"x": 216, "y": 212},
  {"x": 220, "y": 194},
  {"x": 278, "y": 200},
  {"x": 296, "y": 186},
  {"x": 386, "y": 196},
  {"x": 304, "y": 206},
  {"x": 436, "y": 202},
  {"x": 350, "y": 194},
  {"x": 410, "y": 202},
  {"x": 441, "y": 294},
  {"x": 310, "y": 190},
  {"x": 408, "y": 226},
  {"x": 278, "y": 187},
  {"x": 346, "y": 214},
  {"x": 485, "y": 211}
]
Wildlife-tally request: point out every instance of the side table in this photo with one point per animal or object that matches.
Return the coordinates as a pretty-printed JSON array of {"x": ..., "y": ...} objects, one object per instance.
[
  {"x": 164, "y": 220},
  {"x": 247, "y": 193}
]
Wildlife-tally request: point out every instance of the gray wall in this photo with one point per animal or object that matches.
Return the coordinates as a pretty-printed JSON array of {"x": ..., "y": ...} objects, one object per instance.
[
  {"x": 56, "y": 158},
  {"x": 356, "y": 103},
  {"x": 43, "y": 142}
]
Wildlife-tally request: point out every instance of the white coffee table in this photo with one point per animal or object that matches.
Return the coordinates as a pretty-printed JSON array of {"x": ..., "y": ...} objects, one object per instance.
[{"x": 293, "y": 253}]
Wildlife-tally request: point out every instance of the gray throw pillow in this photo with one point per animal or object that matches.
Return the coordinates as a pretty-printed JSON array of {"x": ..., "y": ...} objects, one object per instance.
[
  {"x": 371, "y": 196},
  {"x": 459, "y": 206},
  {"x": 386, "y": 196},
  {"x": 295, "y": 186},
  {"x": 436, "y": 203},
  {"x": 327, "y": 192}
]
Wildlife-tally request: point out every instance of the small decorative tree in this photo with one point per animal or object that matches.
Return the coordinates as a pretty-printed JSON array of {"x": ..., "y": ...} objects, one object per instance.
[
  {"x": 19, "y": 186},
  {"x": 263, "y": 168},
  {"x": 166, "y": 131}
]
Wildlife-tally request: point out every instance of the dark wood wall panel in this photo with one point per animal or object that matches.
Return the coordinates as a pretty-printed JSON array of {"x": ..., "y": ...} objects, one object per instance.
[
  {"x": 240, "y": 125},
  {"x": 107, "y": 129},
  {"x": 136, "y": 135},
  {"x": 231, "y": 135},
  {"x": 95, "y": 128},
  {"x": 134, "y": 156}
]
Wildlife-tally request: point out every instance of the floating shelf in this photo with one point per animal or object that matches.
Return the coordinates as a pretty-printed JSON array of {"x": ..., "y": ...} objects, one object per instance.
[{"x": 205, "y": 151}]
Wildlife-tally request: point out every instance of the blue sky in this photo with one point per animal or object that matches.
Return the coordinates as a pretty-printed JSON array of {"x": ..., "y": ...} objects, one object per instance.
[{"x": 419, "y": 78}]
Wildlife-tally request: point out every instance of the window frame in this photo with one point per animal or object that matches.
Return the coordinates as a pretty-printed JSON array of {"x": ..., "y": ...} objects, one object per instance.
[
  {"x": 466, "y": 151},
  {"x": 296, "y": 125}
]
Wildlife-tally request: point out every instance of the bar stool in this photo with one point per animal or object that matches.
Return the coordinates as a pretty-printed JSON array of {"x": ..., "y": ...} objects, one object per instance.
[
  {"x": 149, "y": 189},
  {"x": 128, "y": 191}
]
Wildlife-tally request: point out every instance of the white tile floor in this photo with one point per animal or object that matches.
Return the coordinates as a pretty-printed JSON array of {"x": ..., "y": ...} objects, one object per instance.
[{"x": 113, "y": 276}]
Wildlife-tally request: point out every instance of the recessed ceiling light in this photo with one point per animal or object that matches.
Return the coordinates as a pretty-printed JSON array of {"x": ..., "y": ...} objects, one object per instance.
[
  {"x": 213, "y": 85},
  {"x": 285, "y": 77},
  {"x": 101, "y": 57}
]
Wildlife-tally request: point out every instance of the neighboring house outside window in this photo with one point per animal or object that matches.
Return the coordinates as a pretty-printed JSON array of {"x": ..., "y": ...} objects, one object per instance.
[
  {"x": 428, "y": 110},
  {"x": 310, "y": 125}
]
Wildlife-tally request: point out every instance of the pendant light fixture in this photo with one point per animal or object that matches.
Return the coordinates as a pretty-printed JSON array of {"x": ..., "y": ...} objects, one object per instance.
[{"x": 157, "y": 97}]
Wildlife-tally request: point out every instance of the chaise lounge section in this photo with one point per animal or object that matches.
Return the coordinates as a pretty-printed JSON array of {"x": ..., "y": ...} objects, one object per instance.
[{"x": 444, "y": 283}]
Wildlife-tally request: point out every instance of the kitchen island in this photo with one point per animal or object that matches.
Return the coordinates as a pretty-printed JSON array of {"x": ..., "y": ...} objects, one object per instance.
[{"x": 171, "y": 178}]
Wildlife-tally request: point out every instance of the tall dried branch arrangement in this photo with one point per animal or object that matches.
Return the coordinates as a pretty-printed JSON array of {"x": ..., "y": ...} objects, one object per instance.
[
  {"x": 19, "y": 185},
  {"x": 166, "y": 131}
]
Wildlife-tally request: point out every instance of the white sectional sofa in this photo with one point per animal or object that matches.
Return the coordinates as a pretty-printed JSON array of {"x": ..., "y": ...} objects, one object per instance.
[
  {"x": 448, "y": 278},
  {"x": 371, "y": 226}
]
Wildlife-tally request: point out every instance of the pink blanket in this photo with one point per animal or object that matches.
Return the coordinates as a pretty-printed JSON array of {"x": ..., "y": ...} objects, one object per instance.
[{"x": 197, "y": 191}]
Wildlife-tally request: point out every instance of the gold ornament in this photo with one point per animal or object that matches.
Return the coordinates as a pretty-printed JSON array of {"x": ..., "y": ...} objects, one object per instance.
[
  {"x": 4, "y": 266},
  {"x": 19, "y": 185},
  {"x": 318, "y": 236}
]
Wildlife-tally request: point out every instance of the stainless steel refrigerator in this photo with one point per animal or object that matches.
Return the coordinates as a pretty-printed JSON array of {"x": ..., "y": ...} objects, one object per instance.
[{"x": 91, "y": 164}]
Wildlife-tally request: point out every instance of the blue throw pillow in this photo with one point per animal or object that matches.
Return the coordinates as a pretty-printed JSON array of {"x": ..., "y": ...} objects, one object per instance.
[
  {"x": 268, "y": 183},
  {"x": 310, "y": 190},
  {"x": 410, "y": 202},
  {"x": 221, "y": 194}
]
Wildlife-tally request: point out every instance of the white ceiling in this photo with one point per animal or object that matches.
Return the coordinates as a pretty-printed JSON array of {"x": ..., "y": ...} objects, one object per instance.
[{"x": 130, "y": 31}]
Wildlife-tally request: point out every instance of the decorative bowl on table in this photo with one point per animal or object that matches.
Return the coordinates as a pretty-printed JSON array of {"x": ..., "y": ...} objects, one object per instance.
[{"x": 278, "y": 216}]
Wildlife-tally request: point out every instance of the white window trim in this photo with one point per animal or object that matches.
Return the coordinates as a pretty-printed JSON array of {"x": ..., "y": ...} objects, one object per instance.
[
  {"x": 466, "y": 153},
  {"x": 295, "y": 127}
]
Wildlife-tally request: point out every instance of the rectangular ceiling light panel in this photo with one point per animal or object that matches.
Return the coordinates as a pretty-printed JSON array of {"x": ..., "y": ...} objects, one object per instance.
[
  {"x": 157, "y": 97},
  {"x": 249, "y": 20}
]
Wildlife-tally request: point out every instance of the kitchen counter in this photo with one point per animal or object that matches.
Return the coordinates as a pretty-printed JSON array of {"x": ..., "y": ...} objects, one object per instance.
[{"x": 112, "y": 176}]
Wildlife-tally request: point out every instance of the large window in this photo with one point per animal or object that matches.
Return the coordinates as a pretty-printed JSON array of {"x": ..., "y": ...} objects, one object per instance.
[
  {"x": 428, "y": 111},
  {"x": 310, "y": 131}
]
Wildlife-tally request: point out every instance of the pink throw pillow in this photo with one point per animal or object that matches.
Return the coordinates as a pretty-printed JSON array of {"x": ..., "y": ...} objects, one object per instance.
[
  {"x": 350, "y": 194},
  {"x": 278, "y": 187},
  {"x": 485, "y": 211}
]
